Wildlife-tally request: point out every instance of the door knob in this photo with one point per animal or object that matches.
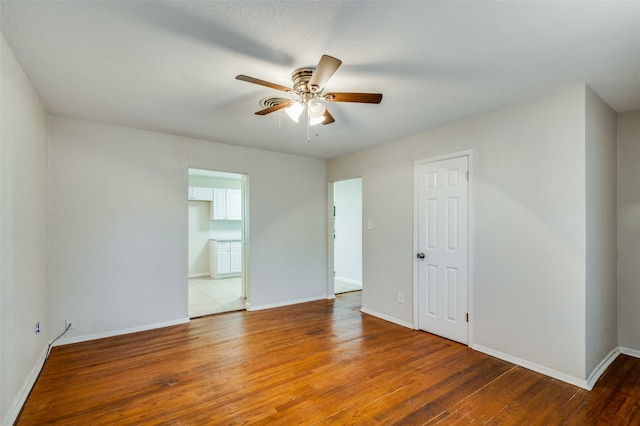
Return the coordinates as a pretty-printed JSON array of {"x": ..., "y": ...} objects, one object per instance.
[{"x": 420, "y": 256}]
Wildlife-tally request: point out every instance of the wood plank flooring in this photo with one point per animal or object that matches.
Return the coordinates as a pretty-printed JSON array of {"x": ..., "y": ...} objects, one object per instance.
[{"x": 316, "y": 363}]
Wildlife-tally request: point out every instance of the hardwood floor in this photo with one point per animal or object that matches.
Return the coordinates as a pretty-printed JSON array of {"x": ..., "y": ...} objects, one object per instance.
[{"x": 322, "y": 362}]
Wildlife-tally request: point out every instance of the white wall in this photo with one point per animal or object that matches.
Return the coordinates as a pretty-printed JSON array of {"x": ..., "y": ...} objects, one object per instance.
[
  {"x": 629, "y": 231},
  {"x": 601, "y": 261},
  {"x": 387, "y": 200},
  {"x": 119, "y": 225},
  {"x": 348, "y": 230},
  {"x": 23, "y": 235},
  {"x": 199, "y": 214},
  {"x": 528, "y": 227}
]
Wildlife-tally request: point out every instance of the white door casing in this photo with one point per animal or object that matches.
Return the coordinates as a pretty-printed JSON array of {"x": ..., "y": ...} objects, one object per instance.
[{"x": 442, "y": 197}]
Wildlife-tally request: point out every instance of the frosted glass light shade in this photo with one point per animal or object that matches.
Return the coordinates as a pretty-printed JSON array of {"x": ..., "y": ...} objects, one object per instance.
[
  {"x": 316, "y": 108},
  {"x": 294, "y": 110}
]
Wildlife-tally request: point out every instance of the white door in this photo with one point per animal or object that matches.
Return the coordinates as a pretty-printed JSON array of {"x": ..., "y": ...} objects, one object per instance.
[{"x": 442, "y": 248}]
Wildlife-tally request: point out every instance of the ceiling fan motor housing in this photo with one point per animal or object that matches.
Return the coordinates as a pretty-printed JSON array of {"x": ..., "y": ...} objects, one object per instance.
[{"x": 300, "y": 78}]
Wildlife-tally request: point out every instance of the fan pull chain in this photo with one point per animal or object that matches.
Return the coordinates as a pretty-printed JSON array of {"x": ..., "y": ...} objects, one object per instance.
[{"x": 308, "y": 126}]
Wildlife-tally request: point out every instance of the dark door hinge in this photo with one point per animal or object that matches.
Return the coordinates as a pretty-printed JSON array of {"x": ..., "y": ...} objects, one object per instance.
[{"x": 467, "y": 317}]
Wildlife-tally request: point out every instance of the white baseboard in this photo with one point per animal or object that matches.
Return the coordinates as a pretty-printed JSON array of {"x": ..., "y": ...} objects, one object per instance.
[
  {"x": 87, "y": 337},
  {"x": 200, "y": 274},
  {"x": 581, "y": 383},
  {"x": 287, "y": 303},
  {"x": 601, "y": 368},
  {"x": 348, "y": 280},
  {"x": 588, "y": 384},
  {"x": 386, "y": 317},
  {"x": 21, "y": 398},
  {"x": 631, "y": 352}
]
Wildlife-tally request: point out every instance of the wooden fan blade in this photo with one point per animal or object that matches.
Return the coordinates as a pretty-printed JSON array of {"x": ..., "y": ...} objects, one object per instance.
[
  {"x": 328, "y": 118},
  {"x": 274, "y": 108},
  {"x": 263, "y": 83},
  {"x": 365, "y": 98},
  {"x": 323, "y": 72}
]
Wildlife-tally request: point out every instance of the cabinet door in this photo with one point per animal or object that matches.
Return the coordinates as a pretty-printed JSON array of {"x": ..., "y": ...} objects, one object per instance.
[
  {"x": 202, "y": 194},
  {"x": 236, "y": 256},
  {"x": 224, "y": 258},
  {"x": 234, "y": 204},
  {"x": 197, "y": 193},
  {"x": 219, "y": 205}
]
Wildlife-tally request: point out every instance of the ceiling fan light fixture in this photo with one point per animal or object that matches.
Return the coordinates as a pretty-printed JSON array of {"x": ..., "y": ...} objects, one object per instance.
[
  {"x": 316, "y": 109},
  {"x": 294, "y": 110},
  {"x": 308, "y": 91}
]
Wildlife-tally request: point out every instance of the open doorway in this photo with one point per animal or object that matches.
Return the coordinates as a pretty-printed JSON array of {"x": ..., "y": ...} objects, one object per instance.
[
  {"x": 347, "y": 236},
  {"x": 217, "y": 236}
]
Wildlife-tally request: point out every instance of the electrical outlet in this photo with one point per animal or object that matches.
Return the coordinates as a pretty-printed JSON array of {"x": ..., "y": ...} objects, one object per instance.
[
  {"x": 400, "y": 297},
  {"x": 69, "y": 324}
]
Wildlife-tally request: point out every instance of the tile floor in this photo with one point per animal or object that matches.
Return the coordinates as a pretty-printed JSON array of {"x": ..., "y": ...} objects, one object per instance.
[
  {"x": 208, "y": 296},
  {"x": 344, "y": 287}
]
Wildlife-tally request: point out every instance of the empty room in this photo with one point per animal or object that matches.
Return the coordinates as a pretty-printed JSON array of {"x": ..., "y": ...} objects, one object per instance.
[{"x": 495, "y": 149}]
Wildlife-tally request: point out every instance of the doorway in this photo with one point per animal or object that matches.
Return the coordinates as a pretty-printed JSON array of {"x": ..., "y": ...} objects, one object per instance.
[
  {"x": 217, "y": 242},
  {"x": 347, "y": 235},
  {"x": 442, "y": 223}
]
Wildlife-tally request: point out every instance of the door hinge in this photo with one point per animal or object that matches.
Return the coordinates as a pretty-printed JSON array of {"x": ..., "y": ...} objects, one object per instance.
[
  {"x": 467, "y": 317},
  {"x": 467, "y": 175}
]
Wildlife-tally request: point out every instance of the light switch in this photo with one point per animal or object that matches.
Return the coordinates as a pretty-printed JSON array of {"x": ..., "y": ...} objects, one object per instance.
[{"x": 369, "y": 224}]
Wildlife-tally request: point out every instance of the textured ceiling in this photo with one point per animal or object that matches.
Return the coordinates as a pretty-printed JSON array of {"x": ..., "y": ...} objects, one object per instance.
[{"x": 171, "y": 66}]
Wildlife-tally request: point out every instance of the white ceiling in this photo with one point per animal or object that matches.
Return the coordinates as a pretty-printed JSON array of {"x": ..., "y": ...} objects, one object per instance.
[{"x": 171, "y": 66}]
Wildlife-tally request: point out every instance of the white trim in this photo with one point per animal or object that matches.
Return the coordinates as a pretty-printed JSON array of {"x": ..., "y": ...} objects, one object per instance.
[
  {"x": 348, "y": 280},
  {"x": 533, "y": 367},
  {"x": 449, "y": 156},
  {"x": 77, "y": 339},
  {"x": 602, "y": 367},
  {"x": 14, "y": 409},
  {"x": 200, "y": 274},
  {"x": 386, "y": 317},
  {"x": 330, "y": 285},
  {"x": 470, "y": 232},
  {"x": 631, "y": 352},
  {"x": 287, "y": 303},
  {"x": 416, "y": 267}
]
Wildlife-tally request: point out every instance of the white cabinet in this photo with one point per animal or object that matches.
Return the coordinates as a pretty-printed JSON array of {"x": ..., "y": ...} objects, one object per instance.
[
  {"x": 234, "y": 204},
  {"x": 225, "y": 258},
  {"x": 227, "y": 204},
  {"x": 236, "y": 257},
  {"x": 197, "y": 193}
]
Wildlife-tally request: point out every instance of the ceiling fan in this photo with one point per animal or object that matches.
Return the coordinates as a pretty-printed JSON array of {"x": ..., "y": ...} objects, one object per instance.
[{"x": 308, "y": 89}]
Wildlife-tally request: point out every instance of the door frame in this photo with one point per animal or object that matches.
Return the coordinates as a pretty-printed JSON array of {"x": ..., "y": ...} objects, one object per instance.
[
  {"x": 330, "y": 273},
  {"x": 244, "y": 188},
  {"x": 330, "y": 285},
  {"x": 245, "y": 238},
  {"x": 470, "y": 232}
]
